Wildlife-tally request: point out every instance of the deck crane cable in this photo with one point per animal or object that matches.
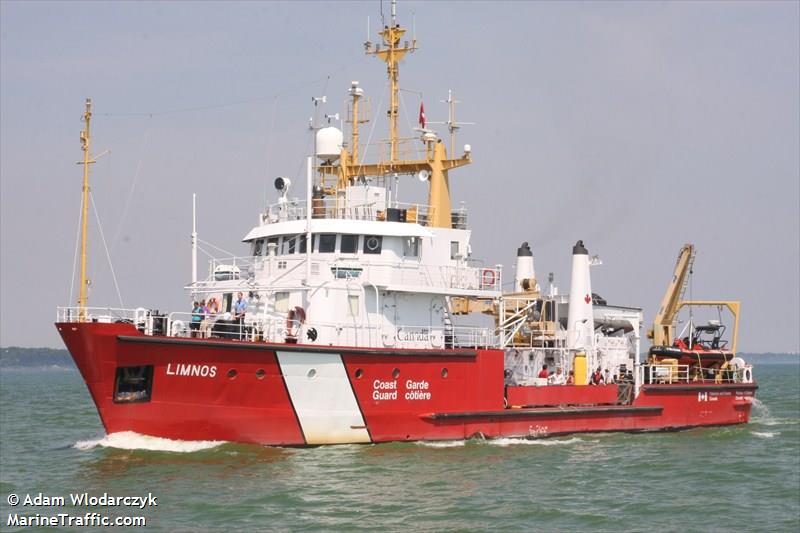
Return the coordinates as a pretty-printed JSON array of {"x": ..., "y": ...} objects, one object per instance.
[{"x": 105, "y": 246}]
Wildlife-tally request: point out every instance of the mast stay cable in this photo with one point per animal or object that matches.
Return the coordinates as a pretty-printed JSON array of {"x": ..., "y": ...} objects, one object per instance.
[
  {"x": 105, "y": 246},
  {"x": 75, "y": 257}
]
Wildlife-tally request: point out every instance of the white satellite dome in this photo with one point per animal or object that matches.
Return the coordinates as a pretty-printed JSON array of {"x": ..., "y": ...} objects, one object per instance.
[{"x": 329, "y": 143}]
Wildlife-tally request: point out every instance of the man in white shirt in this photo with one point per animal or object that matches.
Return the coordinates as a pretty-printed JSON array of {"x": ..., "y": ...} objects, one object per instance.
[{"x": 558, "y": 378}]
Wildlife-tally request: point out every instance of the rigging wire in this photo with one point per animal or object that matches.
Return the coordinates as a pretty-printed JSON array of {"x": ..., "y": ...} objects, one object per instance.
[
  {"x": 268, "y": 151},
  {"x": 75, "y": 257},
  {"x": 216, "y": 247},
  {"x": 207, "y": 107},
  {"x": 372, "y": 128},
  {"x": 691, "y": 308},
  {"x": 126, "y": 207},
  {"x": 405, "y": 113},
  {"x": 108, "y": 255}
]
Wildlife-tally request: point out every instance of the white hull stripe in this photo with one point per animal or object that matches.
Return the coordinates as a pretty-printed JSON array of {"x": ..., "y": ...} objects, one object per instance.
[{"x": 322, "y": 397}]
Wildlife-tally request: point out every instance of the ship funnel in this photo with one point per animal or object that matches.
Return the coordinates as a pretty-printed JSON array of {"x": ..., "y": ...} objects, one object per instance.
[
  {"x": 525, "y": 277},
  {"x": 580, "y": 321}
]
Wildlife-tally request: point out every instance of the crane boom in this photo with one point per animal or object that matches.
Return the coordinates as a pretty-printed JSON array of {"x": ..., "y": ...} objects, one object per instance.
[{"x": 664, "y": 322}]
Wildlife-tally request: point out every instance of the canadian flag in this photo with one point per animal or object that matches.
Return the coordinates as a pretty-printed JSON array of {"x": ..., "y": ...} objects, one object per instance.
[{"x": 421, "y": 114}]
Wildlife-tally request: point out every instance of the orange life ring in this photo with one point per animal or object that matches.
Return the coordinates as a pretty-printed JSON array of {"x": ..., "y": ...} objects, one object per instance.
[
  {"x": 295, "y": 317},
  {"x": 488, "y": 277}
]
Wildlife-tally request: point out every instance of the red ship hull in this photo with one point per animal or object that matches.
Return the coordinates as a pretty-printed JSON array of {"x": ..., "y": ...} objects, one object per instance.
[{"x": 290, "y": 394}]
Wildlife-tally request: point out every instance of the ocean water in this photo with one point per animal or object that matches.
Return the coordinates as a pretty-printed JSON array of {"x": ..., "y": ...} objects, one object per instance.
[{"x": 740, "y": 478}]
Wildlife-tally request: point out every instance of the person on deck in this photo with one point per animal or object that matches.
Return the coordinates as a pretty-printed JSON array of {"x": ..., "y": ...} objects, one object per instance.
[
  {"x": 205, "y": 325},
  {"x": 239, "y": 310},
  {"x": 197, "y": 318},
  {"x": 557, "y": 378},
  {"x": 597, "y": 377},
  {"x": 543, "y": 372},
  {"x": 571, "y": 378}
]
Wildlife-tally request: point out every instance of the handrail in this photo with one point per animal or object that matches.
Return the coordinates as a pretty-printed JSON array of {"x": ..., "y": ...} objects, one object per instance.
[
  {"x": 335, "y": 208},
  {"x": 673, "y": 373},
  {"x": 272, "y": 328}
]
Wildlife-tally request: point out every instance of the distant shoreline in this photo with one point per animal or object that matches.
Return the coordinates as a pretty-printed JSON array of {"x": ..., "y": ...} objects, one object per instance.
[{"x": 16, "y": 357}]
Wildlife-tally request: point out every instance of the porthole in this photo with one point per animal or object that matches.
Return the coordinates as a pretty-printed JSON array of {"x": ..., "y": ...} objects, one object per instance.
[
  {"x": 444, "y": 372},
  {"x": 359, "y": 373},
  {"x": 260, "y": 373},
  {"x": 232, "y": 373},
  {"x": 312, "y": 373},
  {"x": 396, "y": 373}
]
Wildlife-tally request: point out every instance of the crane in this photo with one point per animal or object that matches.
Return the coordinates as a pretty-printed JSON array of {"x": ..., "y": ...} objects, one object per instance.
[
  {"x": 663, "y": 332},
  {"x": 664, "y": 322}
]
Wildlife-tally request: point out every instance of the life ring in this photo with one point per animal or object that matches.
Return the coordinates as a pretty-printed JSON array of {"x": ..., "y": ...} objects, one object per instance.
[
  {"x": 488, "y": 277},
  {"x": 295, "y": 318},
  {"x": 213, "y": 305},
  {"x": 373, "y": 243}
]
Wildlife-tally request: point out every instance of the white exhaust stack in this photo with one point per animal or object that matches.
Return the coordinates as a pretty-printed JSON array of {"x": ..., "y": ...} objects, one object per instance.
[
  {"x": 525, "y": 277},
  {"x": 580, "y": 321}
]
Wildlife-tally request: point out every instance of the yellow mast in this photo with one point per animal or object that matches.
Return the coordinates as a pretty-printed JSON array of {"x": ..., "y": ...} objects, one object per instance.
[
  {"x": 392, "y": 56},
  {"x": 85, "y": 136},
  {"x": 436, "y": 162}
]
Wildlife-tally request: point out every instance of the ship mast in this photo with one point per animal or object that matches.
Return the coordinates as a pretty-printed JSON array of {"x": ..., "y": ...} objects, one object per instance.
[
  {"x": 85, "y": 137},
  {"x": 435, "y": 163},
  {"x": 392, "y": 56}
]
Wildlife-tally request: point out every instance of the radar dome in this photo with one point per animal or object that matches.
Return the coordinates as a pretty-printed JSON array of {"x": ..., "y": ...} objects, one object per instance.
[{"x": 329, "y": 143}]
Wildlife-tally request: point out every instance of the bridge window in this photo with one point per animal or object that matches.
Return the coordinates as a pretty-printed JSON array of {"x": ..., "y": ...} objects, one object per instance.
[
  {"x": 349, "y": 244},
  {"x": 302, "y": 245},
  {"x": 454, "y": 250},
  {"x": 373, "y": 244},
  {"x": 327, "y": 243},
  {"x": 259, "y": 244},
  {"x": 411, "y": 247},
  {"x": 289, "y": 244}
]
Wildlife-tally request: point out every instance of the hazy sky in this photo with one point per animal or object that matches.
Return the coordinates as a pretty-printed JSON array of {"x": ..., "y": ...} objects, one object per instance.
[{"x": 633, "y": 126}]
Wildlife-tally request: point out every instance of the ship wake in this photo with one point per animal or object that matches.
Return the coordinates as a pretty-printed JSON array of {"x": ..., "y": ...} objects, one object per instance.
[{"x": 129, "y": 440}]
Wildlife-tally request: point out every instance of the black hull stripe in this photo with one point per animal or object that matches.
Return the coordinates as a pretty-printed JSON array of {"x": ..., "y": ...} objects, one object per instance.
[
  {"x": 239, "y": 345},
  {"x": 707, "y": 387},
  {"x": 531, "y": 413}
]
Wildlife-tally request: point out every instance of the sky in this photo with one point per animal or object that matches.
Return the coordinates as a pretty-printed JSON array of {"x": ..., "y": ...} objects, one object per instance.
[{"x": 634, "y": 126}]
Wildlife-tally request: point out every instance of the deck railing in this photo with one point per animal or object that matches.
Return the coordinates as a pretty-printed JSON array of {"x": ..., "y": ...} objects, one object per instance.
[
  {"x": 664, "y": 374},
  {"x": 334, "y": 208},
  {"x": 276, "y": 329}
]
